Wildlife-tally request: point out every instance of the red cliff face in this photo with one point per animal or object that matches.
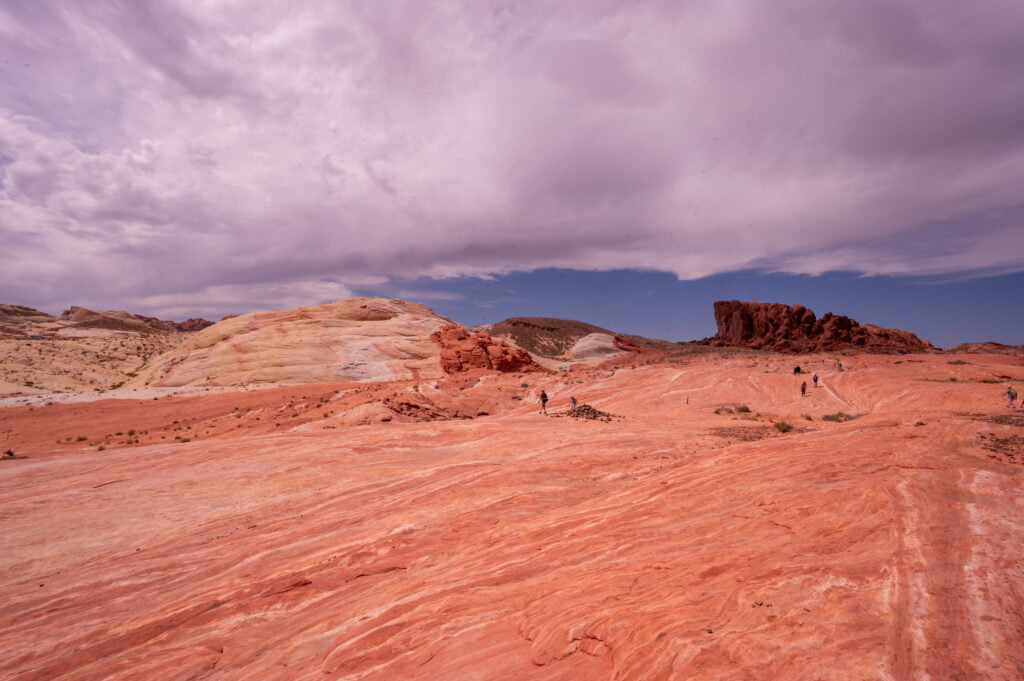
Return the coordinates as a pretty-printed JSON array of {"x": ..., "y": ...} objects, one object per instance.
[
  {"x": 794, "y": 328},
  {"x": 463, "y": 350}
]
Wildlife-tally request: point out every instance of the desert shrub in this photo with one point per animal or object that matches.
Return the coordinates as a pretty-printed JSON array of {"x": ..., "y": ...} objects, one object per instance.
[
  {"x": 782, "y": 426},
  {"x": 838, "y": 417},
  {"x": 9, "y": 452},
  {"x": 952, "y": 379},
  {"x": 81, "y": 438},
  {"x": 186, "y": 439},
  {"x": 808, "y": 417},
  {"x": 957, "y": 362},
  {"x": 743, "y": 409},
  {"x": 988, "y": 380}
]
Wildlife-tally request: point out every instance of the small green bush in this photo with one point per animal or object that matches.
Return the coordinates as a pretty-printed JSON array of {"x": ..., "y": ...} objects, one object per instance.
[
  {"x": 782, "y": 426},
  {"x": 957, "y": 362},
  {"x": 81, "y": 438},
  {"x": 743, "y": 409}
]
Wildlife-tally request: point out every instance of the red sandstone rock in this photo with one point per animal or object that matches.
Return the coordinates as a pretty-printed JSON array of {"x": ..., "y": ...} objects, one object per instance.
[
  {"x": 463, "y": 350},
  {"x": 794, "y": 328}
]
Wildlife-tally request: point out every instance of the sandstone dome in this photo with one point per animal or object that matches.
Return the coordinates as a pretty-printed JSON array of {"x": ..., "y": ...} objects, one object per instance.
[{"x": 355, "y": 339}]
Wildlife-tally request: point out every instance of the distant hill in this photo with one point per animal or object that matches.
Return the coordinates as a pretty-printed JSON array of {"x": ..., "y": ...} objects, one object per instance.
[
  {"x": 544, "y": 336},
  {"x": 20, "y": 321}
]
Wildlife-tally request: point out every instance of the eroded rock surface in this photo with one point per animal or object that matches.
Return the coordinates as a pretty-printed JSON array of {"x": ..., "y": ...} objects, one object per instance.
[
  {"x": 464, "y": 350},
  {"x": 794, "y": 328},
  {"x": 278, "y": 543}
]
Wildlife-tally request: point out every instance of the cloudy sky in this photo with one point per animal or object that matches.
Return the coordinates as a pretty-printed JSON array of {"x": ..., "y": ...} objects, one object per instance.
[{"x": 199, "y": 157}]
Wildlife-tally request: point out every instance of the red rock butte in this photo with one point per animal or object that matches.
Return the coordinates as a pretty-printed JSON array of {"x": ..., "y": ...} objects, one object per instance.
[
  {"x": 718, "y": 525},
  {"x": 794, "y": 328}
]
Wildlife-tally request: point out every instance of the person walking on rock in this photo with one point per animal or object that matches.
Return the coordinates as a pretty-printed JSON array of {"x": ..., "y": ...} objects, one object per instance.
[
  {"x": 815, "y": 379},
  {"x": 572, "y": 403},
  {"x": 803, "y": 389},
  {"x": 543, "y": 402},
  {"x": 1011, "y": 396}
]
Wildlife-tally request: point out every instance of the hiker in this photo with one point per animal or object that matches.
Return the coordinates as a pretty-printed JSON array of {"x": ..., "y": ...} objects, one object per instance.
[
  {"x": 1011, "y": 396},
  {"x": 543, "y": 402},
  {"x": 815, "y": 379},
  {"x": 839, "y": 364},
  {"x": 572, "y": 403},
  {"x": 803, "y": 389}
]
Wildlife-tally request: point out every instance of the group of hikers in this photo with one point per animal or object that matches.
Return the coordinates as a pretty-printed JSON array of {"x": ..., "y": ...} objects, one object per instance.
[
  {"x": 814, "y": 378},
  {"x": 544, "y": 402},
  {"x": 1011, "y": 394}
]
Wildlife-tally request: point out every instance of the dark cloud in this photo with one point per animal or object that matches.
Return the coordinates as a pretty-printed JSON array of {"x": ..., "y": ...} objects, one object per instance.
[{"x": 192, "y": 153}]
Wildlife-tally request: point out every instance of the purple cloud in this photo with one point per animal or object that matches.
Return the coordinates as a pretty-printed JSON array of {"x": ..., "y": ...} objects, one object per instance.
[{"x": 187, "y": 155}]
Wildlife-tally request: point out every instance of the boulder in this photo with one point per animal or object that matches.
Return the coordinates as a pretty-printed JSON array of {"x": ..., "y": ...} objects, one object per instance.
[{"x": 463, "y": 350}]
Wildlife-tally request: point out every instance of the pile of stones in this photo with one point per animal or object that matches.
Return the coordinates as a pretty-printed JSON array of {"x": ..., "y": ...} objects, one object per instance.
[{"x": 585, "y": 411}]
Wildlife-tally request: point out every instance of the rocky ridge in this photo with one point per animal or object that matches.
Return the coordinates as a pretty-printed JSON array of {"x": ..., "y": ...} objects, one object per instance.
[
  {"x": 20, "y": 321},
  {"x": 794, "y": 328}
]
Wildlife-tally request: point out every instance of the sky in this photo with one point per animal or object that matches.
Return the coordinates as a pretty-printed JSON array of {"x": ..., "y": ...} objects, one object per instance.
[{"x": 623, "y": 163}]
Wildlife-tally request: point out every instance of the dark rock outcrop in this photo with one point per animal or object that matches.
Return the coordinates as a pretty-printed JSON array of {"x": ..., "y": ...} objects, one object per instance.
[
  {"x": 192, "y": 324},
  {"x": 463, "y": 350},
  {"x": 794, "y": 328},
  {"x": 543, "y": 336},
  {"x": 986, "y": 348}
]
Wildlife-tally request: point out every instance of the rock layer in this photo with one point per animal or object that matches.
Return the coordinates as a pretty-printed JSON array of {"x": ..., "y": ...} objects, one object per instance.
[{"x": 794, "y": 328}]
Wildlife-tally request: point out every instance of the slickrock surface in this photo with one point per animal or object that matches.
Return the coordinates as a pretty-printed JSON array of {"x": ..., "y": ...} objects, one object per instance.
[
  {"x": 356, "y": 339},
  {"x": 672, "y": 543},
  {"x": 794, "y": 328},
  {"x": 56, "y": 364},
  {"x": 465, "y": 350}
]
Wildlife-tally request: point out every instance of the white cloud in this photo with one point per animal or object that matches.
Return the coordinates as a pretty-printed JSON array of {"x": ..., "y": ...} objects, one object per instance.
[{"x": 201, "y": 154}]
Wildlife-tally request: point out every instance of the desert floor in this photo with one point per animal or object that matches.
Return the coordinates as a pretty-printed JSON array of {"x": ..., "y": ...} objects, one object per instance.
[{"x": 266, "y": 535}]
